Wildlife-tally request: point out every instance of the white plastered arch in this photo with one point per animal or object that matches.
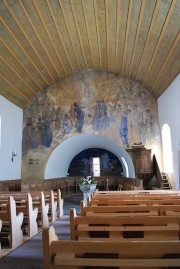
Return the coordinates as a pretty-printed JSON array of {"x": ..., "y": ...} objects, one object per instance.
[{"x": 61, "y": 157}]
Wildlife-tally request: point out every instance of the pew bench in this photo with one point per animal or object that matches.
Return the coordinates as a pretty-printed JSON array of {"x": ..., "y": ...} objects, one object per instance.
[
  {"x": 11, "y": 222},
  {"x": 90, "y": 228},
  {"x": 61, "y": 254},
  {"x": 115, "y": 201},
  {"x": 129, "y": 210}
]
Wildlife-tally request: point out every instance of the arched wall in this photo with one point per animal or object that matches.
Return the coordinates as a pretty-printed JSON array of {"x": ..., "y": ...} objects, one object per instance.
[{"x": 60, "y": 159}]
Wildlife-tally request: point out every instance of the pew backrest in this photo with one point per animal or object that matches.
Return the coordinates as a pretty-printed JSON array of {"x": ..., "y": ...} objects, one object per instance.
[
  {"x": 123, "y": 228},
  {"x": 12, "y": 220},
  {"x": 58, "y": 254}
]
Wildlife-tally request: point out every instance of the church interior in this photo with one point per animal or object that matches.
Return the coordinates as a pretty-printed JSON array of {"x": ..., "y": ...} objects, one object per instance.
[{"x": 89, "y": 134}]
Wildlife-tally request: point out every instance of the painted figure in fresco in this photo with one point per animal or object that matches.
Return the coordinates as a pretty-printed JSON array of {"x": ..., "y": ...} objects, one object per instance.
[
  {"x": 40, "y": 129},
  {"x": 72, "y": 115},
  {"x": 97, "y": 115},
  {"x": 100, "y": 119},
  {"x": 26, "y": 143},
  {"x": 66, "y": 125},
  {"x": 104, "y": 119},
  {"x": 33, "y": 138},
  {"x": 58, "y": 117},
  {"x": 79, "y": 114},
  {"x": 124, "y": 126},
  {"x": 47, "y": 134}
]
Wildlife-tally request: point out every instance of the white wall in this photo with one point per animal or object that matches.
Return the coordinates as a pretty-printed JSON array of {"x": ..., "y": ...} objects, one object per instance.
[
  {"x": 11, "y": 139},
  {"x": 169, "y": 112}
]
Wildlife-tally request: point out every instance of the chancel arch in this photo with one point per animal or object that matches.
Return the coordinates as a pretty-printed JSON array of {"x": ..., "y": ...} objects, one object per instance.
[{"x": 61, "y": 157}]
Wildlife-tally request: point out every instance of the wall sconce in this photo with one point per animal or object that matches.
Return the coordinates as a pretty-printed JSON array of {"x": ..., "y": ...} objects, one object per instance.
[{"x": 13, "y": 155}]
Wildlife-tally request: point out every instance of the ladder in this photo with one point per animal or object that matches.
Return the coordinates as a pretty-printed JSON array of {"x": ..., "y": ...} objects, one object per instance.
[{"x": 165, "y": 181}]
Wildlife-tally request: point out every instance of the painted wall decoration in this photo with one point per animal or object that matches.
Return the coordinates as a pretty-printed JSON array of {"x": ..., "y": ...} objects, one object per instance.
[{"x": 90, "y": 101}]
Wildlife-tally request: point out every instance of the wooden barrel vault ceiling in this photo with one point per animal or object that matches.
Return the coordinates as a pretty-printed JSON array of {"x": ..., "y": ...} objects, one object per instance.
[{"x": 44, "y": 40}]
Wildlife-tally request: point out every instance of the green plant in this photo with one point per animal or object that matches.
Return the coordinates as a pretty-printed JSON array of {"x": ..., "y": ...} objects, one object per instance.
[{"x": 87, "y": 180}]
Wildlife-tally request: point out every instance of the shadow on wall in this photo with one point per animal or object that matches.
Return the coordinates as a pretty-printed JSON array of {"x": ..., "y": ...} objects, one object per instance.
[{"x": 60, "y": 159}]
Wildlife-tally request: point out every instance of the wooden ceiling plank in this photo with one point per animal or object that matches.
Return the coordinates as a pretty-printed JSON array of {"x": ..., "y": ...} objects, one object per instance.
[
  {"x": 69, "y": 32},
  {"x": 21, "y": 64},
  {"x": 59, "y": 33},
  {"x": 40, "y": 40},
  {"x": 126, "y": 34},
  {"x": 78, "y": 32},
  {"x": 169, "y": 77},
  {"x": 22, "y": 30},
  {"x": 87, "y": 28},
  {"x": 173, "y": 3},
  {"x": 117, "y": 31},
  {"x": 156, "y": 8},
  {"x": 101, "y": 16},
  {"x": 50, "y": 38},
  {"x": 13, "y": 87},
  {"x": 97, "y": 30},
  {"x": 167, "y": 59},
  {"x": 137, "y": 35},
  {"x": 107, "y": 31},
  {"x": 14, "y": 71},
  {"x": 123, "y": 16},
  {"x": 27, "y": 55}
]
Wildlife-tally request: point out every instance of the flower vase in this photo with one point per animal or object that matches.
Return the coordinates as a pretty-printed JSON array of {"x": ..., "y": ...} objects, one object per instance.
[{"x": 87, "y": 190}]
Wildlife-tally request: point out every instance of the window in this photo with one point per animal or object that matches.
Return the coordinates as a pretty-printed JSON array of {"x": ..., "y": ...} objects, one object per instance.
[
  {"x": 96, "y": 166},
  {"x": 167, "y": 149}
]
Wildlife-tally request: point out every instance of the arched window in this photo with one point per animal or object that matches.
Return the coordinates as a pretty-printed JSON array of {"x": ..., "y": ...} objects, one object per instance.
[{"x": 167, "y": 149}]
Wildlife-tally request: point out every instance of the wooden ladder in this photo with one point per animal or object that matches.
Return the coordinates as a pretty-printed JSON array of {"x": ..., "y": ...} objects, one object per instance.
[{"x": 165, "y": 181}]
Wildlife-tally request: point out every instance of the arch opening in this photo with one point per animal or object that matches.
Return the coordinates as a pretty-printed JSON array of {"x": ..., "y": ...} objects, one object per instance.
[
  {"x": 60, "y": 159},
  {"x": 107, "y": 163}
]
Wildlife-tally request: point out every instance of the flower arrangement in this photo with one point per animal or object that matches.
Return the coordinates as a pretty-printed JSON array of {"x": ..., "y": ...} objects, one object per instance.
[{"x": 87, "y": 180}]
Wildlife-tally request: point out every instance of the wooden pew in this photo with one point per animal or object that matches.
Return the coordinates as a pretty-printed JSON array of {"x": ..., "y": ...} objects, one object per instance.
[
  {"x": 30, "y": 214},
  {"x": 24, "y": 203},
  {"x": 129, "y": 210},
  {"x": 49, "y": 204},
  {"x": 56, "y": 204},
  {"x": 116, "y": 198},
  {"x": 61, "y": 254},
  {"x": 60, "y": 202},
  {"x": 43, "y": 208},
  {"x": 175, "y": 195},
  {"x": 124, "y": 228},
  {"x": 11, "y": 223}
]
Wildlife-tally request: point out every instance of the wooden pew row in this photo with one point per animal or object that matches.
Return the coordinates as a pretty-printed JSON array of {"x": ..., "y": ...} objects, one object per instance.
[
  {"x": 51, "y": 206},
  {"x": 11, "y": 223},
  {"x": 134, "y": 195},
  {"x": 129, "y": 210},
  {"x": 128, "y": 201},
  {"x": 90, "y": 228},
  {"x": 140, "y": 192},
  {"x": 24, "y": 204},
  {"x": 60, "y": 254},
  {"x": 48, "y": 203},
  {"x": 38, "y": 201}
]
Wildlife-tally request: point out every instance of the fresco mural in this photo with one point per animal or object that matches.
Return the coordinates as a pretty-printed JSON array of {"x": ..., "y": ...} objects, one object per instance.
[{"x": 90, "y": 101}]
